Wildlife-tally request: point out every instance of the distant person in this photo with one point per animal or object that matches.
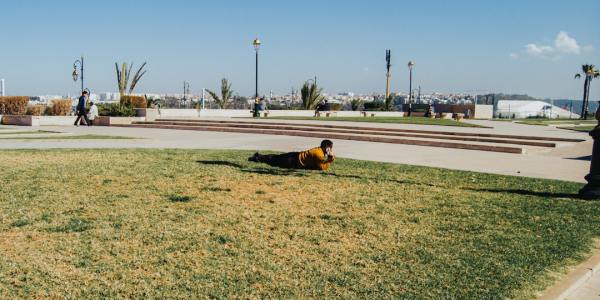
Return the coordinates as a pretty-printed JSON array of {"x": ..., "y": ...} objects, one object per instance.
[
  {"x": 319, "y": 158},
  {"x": 80, "y": 111},
  {"x": 93, "y": 113},
  {"x": 320, "y": 107}
]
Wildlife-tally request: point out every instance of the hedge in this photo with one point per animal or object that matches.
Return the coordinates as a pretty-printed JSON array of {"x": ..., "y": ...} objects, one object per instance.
[
  {"x": 13, "y": 105},
  {"x": 135, "y": 101},
  {"x": 60, "y": 107},
  {"x": 36, "y": 110}
]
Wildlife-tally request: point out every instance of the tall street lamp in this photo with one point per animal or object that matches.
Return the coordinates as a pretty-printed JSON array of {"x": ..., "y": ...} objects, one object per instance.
[
  {"x": 256, "y": 44},
  {"x": 411, "y": 65},
  {"x": 76, "y": 74}
]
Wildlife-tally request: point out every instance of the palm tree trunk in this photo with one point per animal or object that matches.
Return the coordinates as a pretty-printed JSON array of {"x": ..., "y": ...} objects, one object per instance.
[{"x": 585, "y": 95}]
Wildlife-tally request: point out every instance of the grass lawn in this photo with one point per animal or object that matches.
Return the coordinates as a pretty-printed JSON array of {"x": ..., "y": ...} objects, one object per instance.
[
  {"x": 579, "y": 128},
  {"x": 70, "y": 137},
  {"x": 199, "y": 223},
  {"x": 26, "y": 132},
  {"x": 399, "y": 120},
  {"x": 546, "y": 122}
]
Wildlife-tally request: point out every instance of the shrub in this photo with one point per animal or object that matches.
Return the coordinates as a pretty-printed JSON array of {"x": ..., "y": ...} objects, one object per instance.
[
  {"x": 135, "y": 101},
  {"x": 116, "y": 110},
  {"x": 374, "y": 105},
  {"x": 335, "y": 106},
  {"x": 36, "y": 110},
  {"x": 13, "y": 105},
  {"x": 60, "y": 107}
]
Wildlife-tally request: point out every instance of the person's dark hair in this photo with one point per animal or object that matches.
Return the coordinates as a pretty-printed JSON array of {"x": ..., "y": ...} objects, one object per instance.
[
  {"x": 91, "y": 102},
  {"x": 326, "y": 144},
  {"x": 84, "y": 93}
]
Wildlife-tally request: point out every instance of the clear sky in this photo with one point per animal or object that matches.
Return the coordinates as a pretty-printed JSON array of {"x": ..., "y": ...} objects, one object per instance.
[{"x": 531, "y": 46}]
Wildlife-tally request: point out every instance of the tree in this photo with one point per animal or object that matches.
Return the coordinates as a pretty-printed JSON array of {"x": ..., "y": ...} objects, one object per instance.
[
  {"x": 123, "y": 77},
  {"x": 590, "y": 72},
  {"x": 311, "y": 95},
  {"x": 356, "y": 104},
  {"x": 389, "y": 102},
  {"x": 226, "y": 93}
]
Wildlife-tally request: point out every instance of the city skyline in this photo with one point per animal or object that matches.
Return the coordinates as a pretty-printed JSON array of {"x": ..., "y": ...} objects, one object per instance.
[{"x": 526, "y": 48}]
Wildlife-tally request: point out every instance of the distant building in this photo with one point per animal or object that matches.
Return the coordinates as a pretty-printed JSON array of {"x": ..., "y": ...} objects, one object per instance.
[{"x": 521, "y": 109}]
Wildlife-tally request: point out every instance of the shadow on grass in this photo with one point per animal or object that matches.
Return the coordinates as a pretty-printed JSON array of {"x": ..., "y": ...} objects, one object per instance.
[
  {"x": 528, "y": 193},
  {"x": 585, "y": 158},
  {"x": 256, "y": 170}
]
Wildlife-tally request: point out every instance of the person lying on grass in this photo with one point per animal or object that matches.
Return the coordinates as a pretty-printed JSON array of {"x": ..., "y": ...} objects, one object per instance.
[{"x": 318, "y": 158}]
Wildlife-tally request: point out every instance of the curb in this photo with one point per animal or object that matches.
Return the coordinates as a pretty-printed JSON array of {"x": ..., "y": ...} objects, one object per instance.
[{"x": 573, "y": 280}]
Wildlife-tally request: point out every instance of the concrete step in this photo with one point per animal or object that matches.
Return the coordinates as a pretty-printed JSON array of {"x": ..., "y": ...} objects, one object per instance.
[
  {"x": 365, "y": 128},
  {"x": 382, "y": 132},
  {"x": 430, "y": 141}
]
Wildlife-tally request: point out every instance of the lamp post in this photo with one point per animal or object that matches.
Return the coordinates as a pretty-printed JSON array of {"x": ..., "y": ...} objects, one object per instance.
[
  {"x": 411, "y": 65},
  {"x": 591, "y": 190},
  {"x": 256, "y": 43},
  {"x": 77, "y": 75}
]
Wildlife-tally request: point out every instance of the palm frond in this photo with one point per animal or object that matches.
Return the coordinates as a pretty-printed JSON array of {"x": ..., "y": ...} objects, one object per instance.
[
  {"x": 577, "y": 76},
  {"x": 136, "y": 78}
]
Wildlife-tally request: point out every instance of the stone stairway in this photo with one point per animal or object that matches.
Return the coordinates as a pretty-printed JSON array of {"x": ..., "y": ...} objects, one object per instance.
[{"x": 517, "y": 144}]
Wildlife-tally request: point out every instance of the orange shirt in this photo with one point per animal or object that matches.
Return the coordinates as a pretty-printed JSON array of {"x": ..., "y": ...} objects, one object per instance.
[{"x": 313, "y": 159}]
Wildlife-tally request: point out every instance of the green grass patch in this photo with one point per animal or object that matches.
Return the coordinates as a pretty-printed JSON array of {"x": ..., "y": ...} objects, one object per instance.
[
  {"x": 546, "y": 122},
  {"x": 27, "y": 132},
  {"x": 209, "y": 224},
  {"x": 579, "y": 128},
  {"x": 398, "y": 120},
  {"x": 72, "y": 137}
]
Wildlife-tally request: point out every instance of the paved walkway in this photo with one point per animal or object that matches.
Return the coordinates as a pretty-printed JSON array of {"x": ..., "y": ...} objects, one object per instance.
[{"x": 564, "y": 163}]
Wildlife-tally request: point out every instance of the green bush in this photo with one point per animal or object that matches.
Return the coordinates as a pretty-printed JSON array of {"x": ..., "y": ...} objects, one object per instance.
[
  {"x": 116, "y": 110},
  {"x": 374, "y": 105},
  {"x": 13, "y": 105}
]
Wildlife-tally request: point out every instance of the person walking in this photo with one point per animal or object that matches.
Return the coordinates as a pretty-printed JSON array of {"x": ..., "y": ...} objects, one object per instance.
[
  {"x": 81, "y": 109},
  {"x": 93, "y": 113}
]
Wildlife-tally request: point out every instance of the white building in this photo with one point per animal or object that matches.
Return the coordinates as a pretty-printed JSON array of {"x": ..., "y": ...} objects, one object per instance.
[{"x": 521, "y": 109}]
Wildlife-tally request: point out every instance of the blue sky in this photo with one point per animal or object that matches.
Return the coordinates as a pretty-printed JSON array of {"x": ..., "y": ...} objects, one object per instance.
[{"x": 532, "y": 47}]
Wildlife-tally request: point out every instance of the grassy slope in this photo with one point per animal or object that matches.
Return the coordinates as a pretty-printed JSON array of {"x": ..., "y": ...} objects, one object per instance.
[
  {"x": 546, "y": 122},
  {"x": 71, "y": 137},
  {"x": 579, "y": 128},
  {"x": 178, "y": 223},
  {"x": 399, "y": 120},
  {"x": 26, "y": 132}
]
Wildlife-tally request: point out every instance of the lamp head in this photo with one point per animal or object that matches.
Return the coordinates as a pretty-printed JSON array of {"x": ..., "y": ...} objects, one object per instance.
[
  {"x": 75, "y": 74},
  {"x": 411, "y": 64},
  {"x": 256, "y": 43}
]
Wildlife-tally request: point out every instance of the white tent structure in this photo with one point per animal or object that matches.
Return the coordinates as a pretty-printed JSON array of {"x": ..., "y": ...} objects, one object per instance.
[{"x": 520, "y": 109}]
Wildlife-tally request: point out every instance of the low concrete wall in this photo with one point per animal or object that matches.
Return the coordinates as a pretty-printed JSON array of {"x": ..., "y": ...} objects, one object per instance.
[
  {"x": 21, "y": 120},
  {"x": 178, "y": 113},
  {"x": 57, "y": 120},
  {"x": 108, "y": 121},
  {"x": 484, "y": 111},
  {"x": 245, "y": 113}
]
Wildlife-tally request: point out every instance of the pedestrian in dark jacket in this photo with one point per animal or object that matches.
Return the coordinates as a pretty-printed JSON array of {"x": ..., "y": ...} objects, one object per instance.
[{"x": 81, "y": 113}]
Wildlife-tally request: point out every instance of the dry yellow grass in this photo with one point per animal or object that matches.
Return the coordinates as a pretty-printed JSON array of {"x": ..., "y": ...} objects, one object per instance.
[{"x": 187, "y": 224}]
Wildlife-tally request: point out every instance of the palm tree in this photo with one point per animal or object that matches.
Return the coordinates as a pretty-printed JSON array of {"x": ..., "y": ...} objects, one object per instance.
[
  {"x": 123, "y": 77},
  {"x": 311, "y": 95},
  {"x": 226, "y": 93},
  {"x": 355, "y": 104},
  {"x": 389, "y": 102},
  {"x": 590, "y": 72}
]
